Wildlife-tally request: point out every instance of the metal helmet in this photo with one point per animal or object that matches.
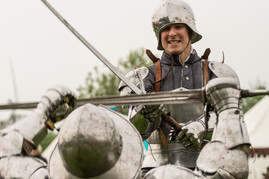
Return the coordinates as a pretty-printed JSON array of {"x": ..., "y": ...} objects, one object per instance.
[
  {"x": 96, "y": 142},
  {"x": 173, "y": 12}
]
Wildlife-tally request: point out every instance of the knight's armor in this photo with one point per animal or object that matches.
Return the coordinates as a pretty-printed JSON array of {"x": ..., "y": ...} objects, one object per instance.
[
  {"x": 182, "y": 113},
  {"x": 176, "y": 75},
  {"x": 109, "y": 146},
  {"x": 186, "y": 113},
  {"x": 93, "y": 142},
  {"x": 18, "y": 140},
  {"x": 226, "y": 155},
  {"x": 112, "y": 148}
]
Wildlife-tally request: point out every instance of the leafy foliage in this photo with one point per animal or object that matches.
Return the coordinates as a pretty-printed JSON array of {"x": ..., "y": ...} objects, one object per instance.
[
  {"x": 250, "y": 102},
  {"x": 99, "y": 84},
  {"x": 106, "y": 84}
]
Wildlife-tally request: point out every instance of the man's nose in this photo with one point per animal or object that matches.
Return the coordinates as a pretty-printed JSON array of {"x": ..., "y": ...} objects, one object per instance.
[{"x": 172, "y": 32}]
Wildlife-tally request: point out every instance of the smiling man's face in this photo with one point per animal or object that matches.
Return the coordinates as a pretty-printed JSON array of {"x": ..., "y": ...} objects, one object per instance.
[{"x": 175, "y": 38}]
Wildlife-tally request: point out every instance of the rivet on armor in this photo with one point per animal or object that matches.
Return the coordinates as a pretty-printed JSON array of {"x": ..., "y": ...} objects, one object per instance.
[{"x": 236, "y": 111}]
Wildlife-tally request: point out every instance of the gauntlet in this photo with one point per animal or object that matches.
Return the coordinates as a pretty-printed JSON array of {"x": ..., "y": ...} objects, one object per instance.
[
  {"x": 190, "y": 135},
  {"x": 56, "y": 104}
]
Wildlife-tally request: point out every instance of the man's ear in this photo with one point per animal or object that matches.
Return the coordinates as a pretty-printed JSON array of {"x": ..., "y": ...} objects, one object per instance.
[{"x": 192, "y": 34}]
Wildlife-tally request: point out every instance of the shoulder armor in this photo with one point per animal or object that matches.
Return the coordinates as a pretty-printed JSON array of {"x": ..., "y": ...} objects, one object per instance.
[
  {"x": 222, "y": 70},
  {"x": 11, "y": 143},
  {"x": 23, "y": 167},
  {"x": 136, "y": 77}
]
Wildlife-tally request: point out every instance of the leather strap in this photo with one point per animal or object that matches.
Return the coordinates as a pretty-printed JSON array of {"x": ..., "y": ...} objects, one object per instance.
[
  {"x": 158, "y": 76},
  {"x": 206, "y": 71},
  {"x": 158, "y": 70},
  {"x": 171, "y": 67},
  {"x": 151, "y": 56},
  {"x": 205, "y": 57},
  {"x": 158, "y": 79}
]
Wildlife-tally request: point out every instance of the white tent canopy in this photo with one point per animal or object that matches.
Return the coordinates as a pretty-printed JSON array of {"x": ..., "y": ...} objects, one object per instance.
[{"x": 257, "y": 121}]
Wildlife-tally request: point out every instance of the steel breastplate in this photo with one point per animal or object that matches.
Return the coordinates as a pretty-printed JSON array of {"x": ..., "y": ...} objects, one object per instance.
[
  {"x": 183, "y": 113},
  {"x": 176, "y": 153}
]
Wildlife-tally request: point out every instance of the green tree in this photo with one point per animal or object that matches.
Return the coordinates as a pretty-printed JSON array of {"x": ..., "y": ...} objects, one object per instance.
[
  {"x": 106, "y": 83},
  {"x": 99, "y": 84},
  {"x": 250, "y": 102}
]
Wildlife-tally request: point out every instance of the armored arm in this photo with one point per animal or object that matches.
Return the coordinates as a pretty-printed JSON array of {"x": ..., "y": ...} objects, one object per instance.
[
  {"x": 226, "y": 156},
  {"x": 145, "y": 118},
  {"x": 54, "y": 105},
  {"x": 19, "y": 139}
]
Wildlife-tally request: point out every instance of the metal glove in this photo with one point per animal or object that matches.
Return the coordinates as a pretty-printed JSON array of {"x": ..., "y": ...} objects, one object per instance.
[
  {"x": 190, "y": 134},
  {"x": 57, "y": 103},
  {"x": 153, "y": 112}
]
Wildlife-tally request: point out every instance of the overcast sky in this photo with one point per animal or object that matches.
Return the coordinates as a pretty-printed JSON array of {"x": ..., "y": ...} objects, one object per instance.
[{"x": 44, "y": 53}]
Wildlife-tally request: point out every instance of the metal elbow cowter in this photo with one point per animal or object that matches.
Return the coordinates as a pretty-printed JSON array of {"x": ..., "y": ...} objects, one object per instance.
[
  {"x": 135, "y": 115},
  {"x": 223, "y": 93},
  {"x": 136, "y": 77}
]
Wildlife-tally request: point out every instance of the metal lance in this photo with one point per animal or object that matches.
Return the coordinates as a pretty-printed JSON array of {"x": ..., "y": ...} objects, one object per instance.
[
  {"x": 176, "y": 97},
  {"x": 180, "y": 97},
  {"x": 94, "y": 51}
]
